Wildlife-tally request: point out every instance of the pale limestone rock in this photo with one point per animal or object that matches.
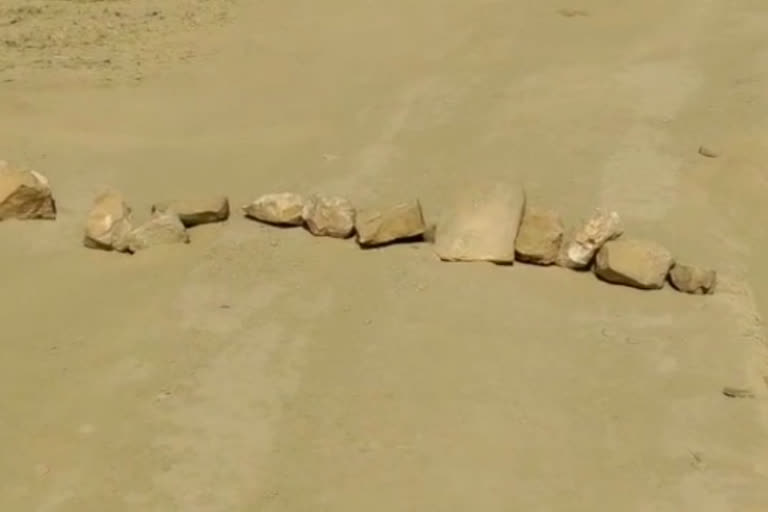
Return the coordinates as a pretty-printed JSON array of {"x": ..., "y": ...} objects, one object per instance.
[
  {"x": 380, "y": 227},
  {"x": 482, "y": 225},
  {"x": 109, "y": 222},
  {"x": 329, "y": 216},
  {"x": 581, "y": 245},
  {"x": 193, "y": 212},
  {"x": 691, "y": 279},
  {"x": 161, "y": 229},
  {"x": 540, "y": 237},
  {"x": 25, "y": 195},
  {"x": 282, "y": 209},
  {"x": 637, "y": 263}
]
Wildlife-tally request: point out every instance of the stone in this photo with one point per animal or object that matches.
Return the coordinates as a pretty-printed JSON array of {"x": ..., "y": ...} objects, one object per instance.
[
  {"x": 193, "y": 212},
  {"x": 161, "y": 229},
  {"x": 690, "y": 279},
  {"x": 582, "y": 244},
  {"x": 734, "y": 392},
  {"x": 482, "y": 225},
  {"x": 400, "y": 222},
  {"x": 329, "y": 216},
  {"x": 25, "y": 195},
  {"x": 282, "y": 209},
  {"x": 708, "y": 152},
  {"x": 109, "y": 222},
  {"x": 637, "y": 263},
  {"x": 539, "y": 237}
]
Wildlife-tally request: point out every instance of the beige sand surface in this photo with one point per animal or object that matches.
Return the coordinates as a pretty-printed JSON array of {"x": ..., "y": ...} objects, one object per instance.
[{"x": 266, "y": 370}]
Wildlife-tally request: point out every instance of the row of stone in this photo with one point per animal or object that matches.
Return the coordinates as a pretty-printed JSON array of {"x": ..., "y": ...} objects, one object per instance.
[
  {"x": 336, "y": 217},
  {"x": 490, "y": 222},
  {"x": 110, "y": 220}
]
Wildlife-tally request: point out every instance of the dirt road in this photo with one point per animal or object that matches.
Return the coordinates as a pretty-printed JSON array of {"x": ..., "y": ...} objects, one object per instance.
[{"x": 266, "y": 370}]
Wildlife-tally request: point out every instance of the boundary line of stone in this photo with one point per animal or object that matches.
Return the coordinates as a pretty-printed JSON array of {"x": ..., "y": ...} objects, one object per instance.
[{"x": 490, "y": 222}]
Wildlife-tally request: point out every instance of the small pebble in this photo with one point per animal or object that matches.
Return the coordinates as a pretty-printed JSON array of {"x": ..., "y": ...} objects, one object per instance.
[
  {"x": 738, "y": 392},
  {"x": 708, "y": 152}
]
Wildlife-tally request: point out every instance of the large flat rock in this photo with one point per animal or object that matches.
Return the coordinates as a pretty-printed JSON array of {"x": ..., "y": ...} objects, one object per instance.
[{"x": 482, "y": 225}]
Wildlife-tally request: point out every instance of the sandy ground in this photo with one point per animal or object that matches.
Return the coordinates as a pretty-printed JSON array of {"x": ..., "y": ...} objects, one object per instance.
[{"x": 264, "y": 370}]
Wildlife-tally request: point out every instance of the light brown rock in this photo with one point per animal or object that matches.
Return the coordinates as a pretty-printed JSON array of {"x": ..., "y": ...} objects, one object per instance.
[
  {"x": 109, "y": 222},
  {"x": 637, "y": 263},
  {"x": 193, "y": 212},
  {"x": 690, "y": 279},
  {"x": 401, "y": 222},
  {"x": 581, "y": 246},
  {"x": 25, "y": 195},
  {"x": 329, "y": 216},
  {"x": 540, "y": 236},
  {"x": 482, "y": 225},
  {"x": 282, "y": 209},
  {"x": 161, "y": 229}
]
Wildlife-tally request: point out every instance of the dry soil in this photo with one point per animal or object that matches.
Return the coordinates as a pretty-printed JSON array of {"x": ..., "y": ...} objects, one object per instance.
[{"x": 266, "y": 370}]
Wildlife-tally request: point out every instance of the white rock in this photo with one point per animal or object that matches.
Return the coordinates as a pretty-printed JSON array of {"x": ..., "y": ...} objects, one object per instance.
[
  {"x": 581, "y": 247},
  {"x": 283, "y": 209},
  {"x": 329, "y": 216}
]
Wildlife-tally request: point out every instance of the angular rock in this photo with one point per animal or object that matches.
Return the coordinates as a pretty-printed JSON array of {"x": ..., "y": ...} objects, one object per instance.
[
  {"x": 482, "y": 225},
  {"x": 690, "y": 279},
  {"x": 282, "y": 209},
  {"x": 161, "y": 229},
  {"x": 580, "y": 248},
  {"x": 329, "y": 216},
  {"x": 401, "y": 222},
  {"x": 539, "y": 237},
  {"x": 193, "y": 212},
  {"x": 637, "y": 263},
  {"x": 25, "y": 195},
  {"x": 109, "y": 222}
]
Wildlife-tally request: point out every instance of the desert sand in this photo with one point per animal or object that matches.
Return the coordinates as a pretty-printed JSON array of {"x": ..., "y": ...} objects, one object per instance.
[{"x": 260, "y": 369}]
